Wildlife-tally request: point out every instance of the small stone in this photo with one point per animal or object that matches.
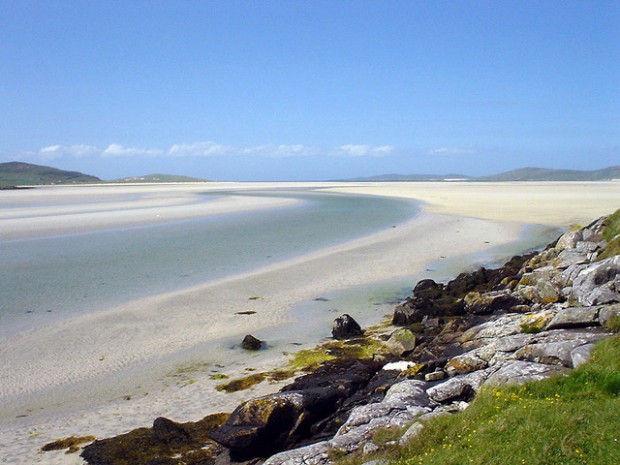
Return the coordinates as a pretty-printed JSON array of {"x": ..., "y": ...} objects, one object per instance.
[
  {"x": 251, "y": 343},
  {"x": 435, "y": 376},
  {"x": 370, "y": 448}
]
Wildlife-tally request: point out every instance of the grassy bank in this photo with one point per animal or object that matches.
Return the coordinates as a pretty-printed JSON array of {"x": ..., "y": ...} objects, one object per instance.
[{"x": 566, "y": 420}]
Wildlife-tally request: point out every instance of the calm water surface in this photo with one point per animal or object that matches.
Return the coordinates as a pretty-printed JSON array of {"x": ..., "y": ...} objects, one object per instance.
[{"x": 48, "y": 278}]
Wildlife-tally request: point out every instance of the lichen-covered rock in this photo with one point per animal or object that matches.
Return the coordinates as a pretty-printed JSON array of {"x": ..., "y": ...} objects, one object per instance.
[
  {"x": 413, "y": 431},
  {"x": 465, "y": 363},
  {"x": 537, "y": 321},
  {"x": 503, "y": 326},
  {"x": 401, "y": 341},
  {"x": 345, "y": 327}
]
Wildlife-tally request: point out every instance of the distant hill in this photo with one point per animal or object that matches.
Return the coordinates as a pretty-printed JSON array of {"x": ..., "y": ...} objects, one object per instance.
[
  {"x": 523, "y": 174},
  {"x": 159, "y": 178},
  {"x": 545, "y": 174},
  {"x": 411, "y": 177},
  {"x": 15, "y": 173}
]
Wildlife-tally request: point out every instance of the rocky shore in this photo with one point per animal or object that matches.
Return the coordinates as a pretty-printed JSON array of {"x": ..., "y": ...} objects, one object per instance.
[{"x": 537, "y": 316}]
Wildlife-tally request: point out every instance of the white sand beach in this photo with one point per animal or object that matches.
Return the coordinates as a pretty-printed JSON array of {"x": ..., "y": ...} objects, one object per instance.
[{"x": 69, "y": 378}]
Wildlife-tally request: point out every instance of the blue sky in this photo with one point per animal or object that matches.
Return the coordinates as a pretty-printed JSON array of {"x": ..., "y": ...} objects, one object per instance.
[{"x": 309, "y": 90}]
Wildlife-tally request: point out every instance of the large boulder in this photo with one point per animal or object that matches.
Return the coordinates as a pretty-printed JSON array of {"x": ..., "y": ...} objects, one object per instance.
[
  {"x": 345, "y": 327},
  {"x": 260, "y": 427},
  {"x": 314, "y": 405},
  {"x": 598, "y": 283},
  {"x": 401, "y": 341}
]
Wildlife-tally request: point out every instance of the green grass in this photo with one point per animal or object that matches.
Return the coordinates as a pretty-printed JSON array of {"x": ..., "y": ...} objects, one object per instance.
[
  {"x": 611, "y": 234},
  {"x": 572, "y": 420}
]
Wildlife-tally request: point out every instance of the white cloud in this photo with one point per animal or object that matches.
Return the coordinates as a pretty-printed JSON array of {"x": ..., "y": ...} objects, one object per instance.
[
  {"x": 211, "y": 149},
  {"x": 200, "y": 149},
  {"x": 358, "y": 150},
  {"x": 117, "y": 150},
  {"x": 281, "y": 150},
  {"x": 57, "y": 151},
  {"x": 452, "y": 151}
]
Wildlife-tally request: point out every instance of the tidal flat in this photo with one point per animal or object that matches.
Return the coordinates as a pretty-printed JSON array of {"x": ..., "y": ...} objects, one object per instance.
[{"x": 129, "y": 360}]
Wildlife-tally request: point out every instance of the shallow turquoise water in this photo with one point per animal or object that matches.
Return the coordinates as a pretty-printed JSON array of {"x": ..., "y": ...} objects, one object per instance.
[{"x": 44, "y": 279}]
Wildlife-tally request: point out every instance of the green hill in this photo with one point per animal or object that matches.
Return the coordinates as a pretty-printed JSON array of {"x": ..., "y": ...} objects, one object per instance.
[
  {"x": 544, "y": 174},
  {"x": 522, "y": 174},
  {"x": 25, "y": 174}
]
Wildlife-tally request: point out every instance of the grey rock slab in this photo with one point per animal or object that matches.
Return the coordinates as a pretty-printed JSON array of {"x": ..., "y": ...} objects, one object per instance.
[
  {"x": 569, "y": 258},
  {"x": 507, "y": 325},
  {"x": 574, "y": 317},
  {"x": 553, "y": 353},
  {"x": 314, "y": 454},
  {"x": 463, "y": 386},
  {"x": 586, "y": 246},
  {"x": 411, "y": 392},
  {"x": 519, "y": 372},
  {"x": 402, "y": 404},
  {"x": 512, "y": 343}
]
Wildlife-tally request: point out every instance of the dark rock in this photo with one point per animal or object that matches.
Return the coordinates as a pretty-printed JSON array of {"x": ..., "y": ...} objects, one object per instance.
[
  {"x": 428, "y": 289},
  {"x": 312, "y": 407},
  {"x": 263, "y": 426},
  {"x": 170, "y": 432},
  {"x": 431, "y": 300},
  {"x": 345, "y": 327},
  {"x": 489, "y": 302},
  {"x": 168, "y": 443},
  {"x": 251, "y": 343}
]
